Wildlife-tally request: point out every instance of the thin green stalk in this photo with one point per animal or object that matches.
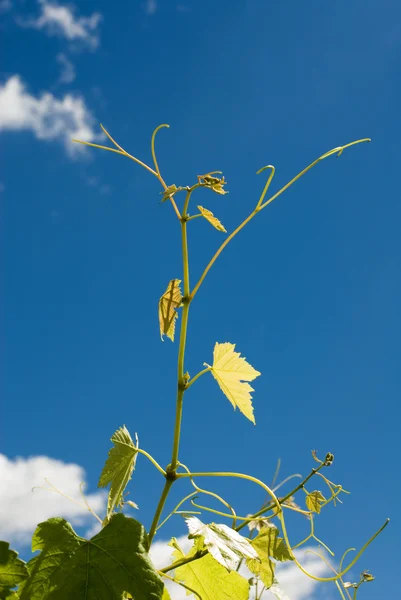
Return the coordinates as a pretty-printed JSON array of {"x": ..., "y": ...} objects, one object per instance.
[
  {"x": 271, "y": 505},
  {"x": 184, "y": 561},
  {"x": 261, "y": 206},
  {"x": 159, "y": 509},
  {"x": 183, "y": 337},
  {"x": 174, "y": 511},
  {"x": 181, "y": 584},
  {"x": 191, "y": 381},
  {"x": 152, "y": 460},
  {"x": 171, "y": 472}
]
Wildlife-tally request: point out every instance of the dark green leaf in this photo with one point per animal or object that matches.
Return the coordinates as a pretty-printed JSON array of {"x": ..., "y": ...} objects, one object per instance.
[
  {"x": 13, "y": 570},
  {"x": 111, "y": 563}
]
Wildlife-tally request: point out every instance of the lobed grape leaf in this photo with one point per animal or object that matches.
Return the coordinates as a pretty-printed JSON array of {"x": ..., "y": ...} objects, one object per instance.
[
  {"x": 209, "y": 216},
  {"x": 208, "y": 578},
  {"x": 113, "y": 562},
  {"x": 231, "y": 371},
  {"x": 13, "y": 570},
  {"x": 214, "y": 183},
  {"x": 314, "y": 501},
  {"x": 268, "y": 546},
  {"x": 226, "y": 545},
  {"x": 168, "y": 304},
  {"x": 118, "y": 467}
]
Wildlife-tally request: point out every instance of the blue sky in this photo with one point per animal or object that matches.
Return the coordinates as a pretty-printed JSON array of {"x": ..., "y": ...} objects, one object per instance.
[{"x": 310, "y": 291}]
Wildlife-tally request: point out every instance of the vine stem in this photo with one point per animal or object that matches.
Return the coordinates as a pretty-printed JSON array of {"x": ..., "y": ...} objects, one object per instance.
[
  {"x": 159, "y": 509},
  {"x": 282, "y": 500},
  {"x": 261, "y": 205},
  {"x": 181, "y": 384},
  {"x": 191, "y": 381}
]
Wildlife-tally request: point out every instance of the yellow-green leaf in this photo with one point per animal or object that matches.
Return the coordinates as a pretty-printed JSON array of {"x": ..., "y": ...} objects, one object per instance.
[
  {"x": 170, "y": 191},
  {"x": 268, "y": 546},
  {"x": 118, "y": 468},
  {"x": 314, "y": 501},
  {"x": 214, "y": 183},
  {"x": 208, "y": 578},
  {"x": 231, "y": 371},
  {"x": 209, "y": 216},
  {"x": 264, "y": 544},
  {"x": 166, "y": 595},
  {"x": 168, "y": 304}
]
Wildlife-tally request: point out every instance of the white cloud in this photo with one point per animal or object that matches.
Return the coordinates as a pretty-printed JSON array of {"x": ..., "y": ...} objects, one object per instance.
[
  {"x": 67, "y": 74},
  {"x": 48, "y": 117},
  {"x": 294, "y": 584},
  {"x": 5, "y": 6},
  {"x": 21, "y": 509},
  {"x": 150, "y": 7},
  {"x": 60, "y": 20}
]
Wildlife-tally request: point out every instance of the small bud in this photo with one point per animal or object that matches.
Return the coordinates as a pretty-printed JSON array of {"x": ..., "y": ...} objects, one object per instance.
[{"x": 329, "y": 459}]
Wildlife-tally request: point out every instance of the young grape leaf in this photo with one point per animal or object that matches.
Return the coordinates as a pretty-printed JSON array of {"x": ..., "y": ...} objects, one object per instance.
[
  {"x": 118, "y": 468},
  {"x": 13, "y": 570},
  {"x": 113, "y": 562},
  {"x": 268, "y": 546},
  {"x": 231, "y": 371},
  {"x": 208, "y": 578},
  {"x": 170, "y": 191},
  {"x": 168, "y": 304},
  {"x": 226, "y": 545},
  {"x": 281, "y": 552},
  {"x": 314, "y": 501},
  {"x": 209, "y": 216},
  {"x": 166, "y": 595},
  {"x": 213, "y": 183},
  {"x": 267, "y": 543},
  {"x": 264, "y": 544}
]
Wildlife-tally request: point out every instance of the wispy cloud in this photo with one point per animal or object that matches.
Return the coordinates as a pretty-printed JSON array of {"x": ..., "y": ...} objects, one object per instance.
[
  {"x": 150, "y": 7},
  {"x": 60, "y": 20},
  {"x": 21, "y": 509},
  {"x": 67, "y": 74},
  {"x": 5, "y": 6},
  {"x": 293, "y": 583},
  {"x": 47, "y": 117},
  {"x": 94, "y": 182}
]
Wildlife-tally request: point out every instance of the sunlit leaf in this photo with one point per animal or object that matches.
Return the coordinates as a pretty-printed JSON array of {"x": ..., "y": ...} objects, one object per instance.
[
  {"x": 208, "y": 578},
  {"x": 281, "y": 552},
  {"x": 118, "y": 468},
  {"x": 226, "y": 545},
  {"x": 13, "y": 570},
  {"x": 168, "y": 305},
  {"x": 231, "y": 371},
  {"x": 170, "y": 191},
  {"x": 166, "y": 595},
  {"x": 209, "y": 216},
  {"x": 314, "y": 501},
  {"x": 268, "y": 545},
  {"x": 214, "y": 183},
  {"x": 113, "y": 562}
]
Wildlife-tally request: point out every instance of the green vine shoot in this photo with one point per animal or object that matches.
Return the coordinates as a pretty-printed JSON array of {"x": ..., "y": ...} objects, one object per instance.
[{"x": 115, "y": 564}]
